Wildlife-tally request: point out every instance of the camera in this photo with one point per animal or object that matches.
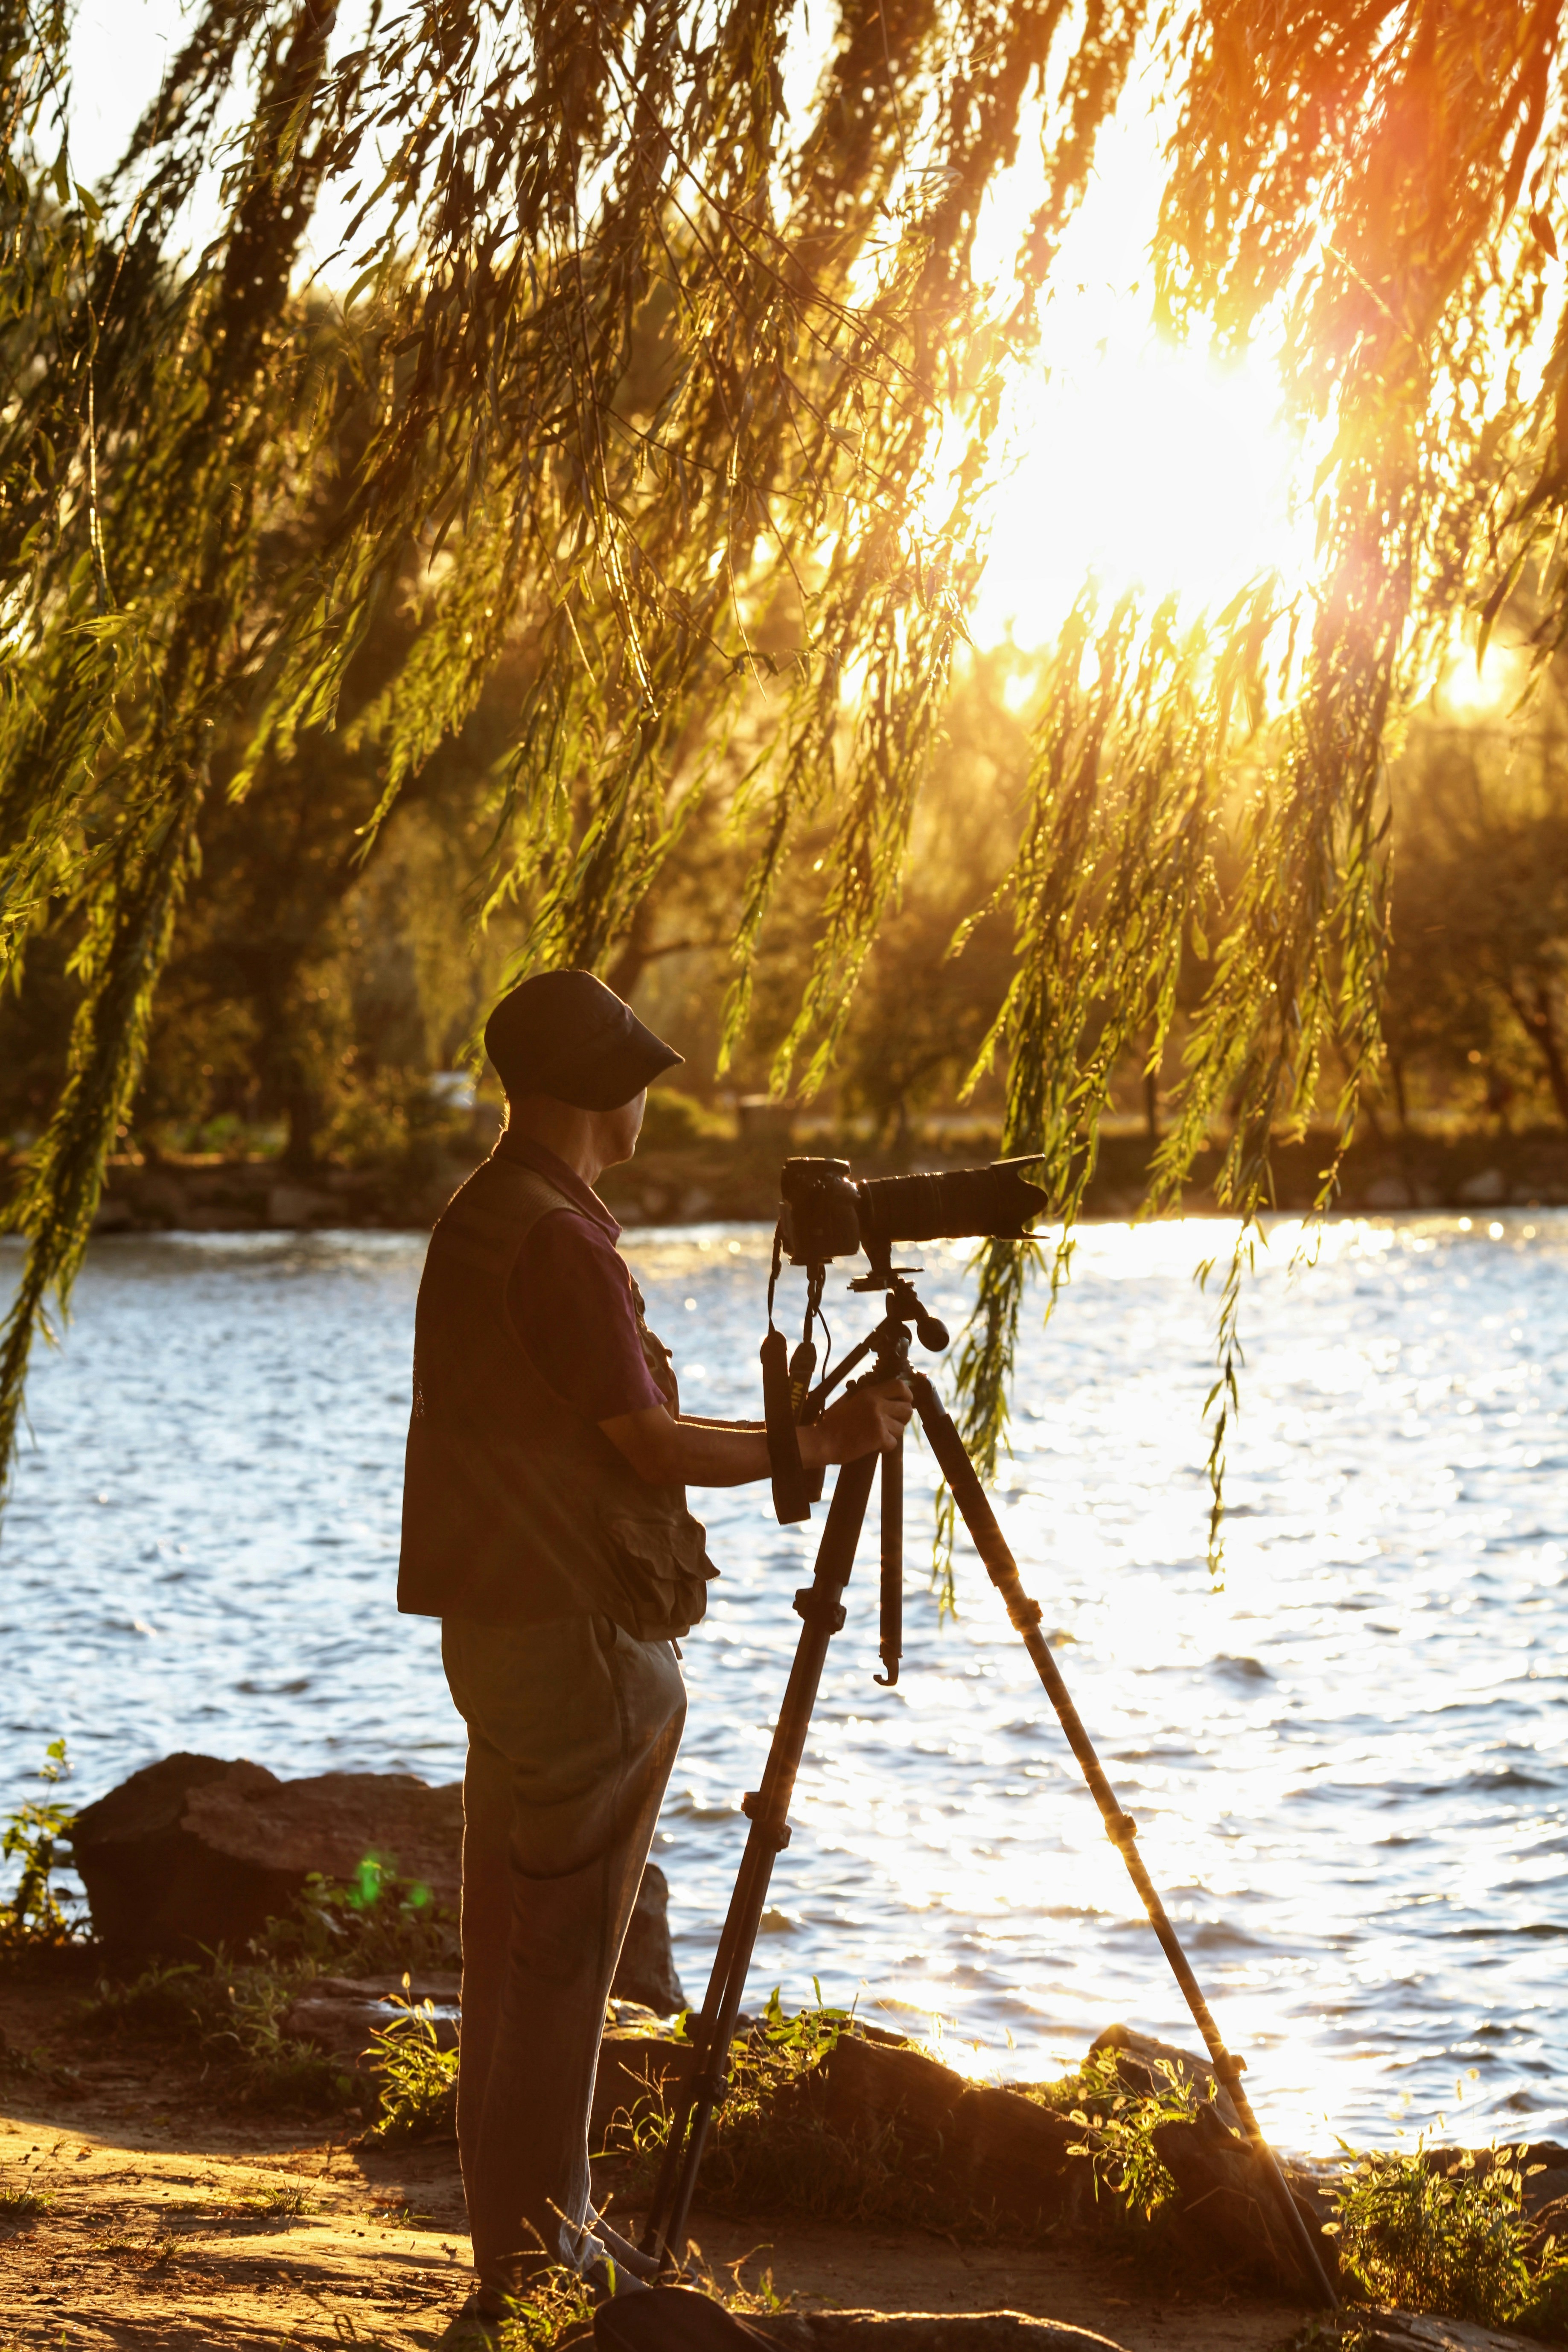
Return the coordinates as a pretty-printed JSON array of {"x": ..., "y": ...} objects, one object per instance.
[{"x": 824, "y": 1213}]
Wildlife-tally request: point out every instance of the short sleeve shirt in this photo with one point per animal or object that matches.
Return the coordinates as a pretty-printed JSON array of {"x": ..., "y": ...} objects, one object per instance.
[{"x": 570, "y": 1296}]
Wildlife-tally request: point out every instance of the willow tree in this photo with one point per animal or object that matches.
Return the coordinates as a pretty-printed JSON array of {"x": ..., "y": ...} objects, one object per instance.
[{"x": 664, "y": 339}]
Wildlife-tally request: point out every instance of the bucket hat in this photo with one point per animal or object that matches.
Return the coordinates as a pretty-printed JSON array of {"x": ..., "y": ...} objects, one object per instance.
[{"x": 565, "y": 1033}]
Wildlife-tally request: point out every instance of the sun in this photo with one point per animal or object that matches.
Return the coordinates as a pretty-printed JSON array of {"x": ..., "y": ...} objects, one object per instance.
[
  {"x": 1131, "y": 458},
  {"x": 1153, "y": 469}
]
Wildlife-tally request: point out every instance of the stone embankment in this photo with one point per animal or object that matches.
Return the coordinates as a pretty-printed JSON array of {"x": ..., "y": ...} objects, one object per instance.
[
  {"x": 739, "y": 1181},
  {"x": 193, "y": 1851}
]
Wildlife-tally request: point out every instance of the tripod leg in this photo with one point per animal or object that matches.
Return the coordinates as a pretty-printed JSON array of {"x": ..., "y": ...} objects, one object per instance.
[
  {"x": 893, "y": 1642},
  {"x": 1003, "y": 1570},
  {"x": 822, "y": 1614}
]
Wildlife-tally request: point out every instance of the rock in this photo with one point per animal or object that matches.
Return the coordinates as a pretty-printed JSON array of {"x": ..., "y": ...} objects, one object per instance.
[
  {"x": 646, "y": 1971},
  {"x": 1387, "y": 1192},
  {"x": 676, "y": 2319},
  {"x": 341, "y": 2015},
  {"x": 1491, "y": 1184},
  {"x": 1138, "y": 2057},
  {"x": 195, "y": 1850},
  {"x": 1408, "y": 2331},
  {"x": 998, "y": 2150},
  {"x": 1229, "y": 2209}
]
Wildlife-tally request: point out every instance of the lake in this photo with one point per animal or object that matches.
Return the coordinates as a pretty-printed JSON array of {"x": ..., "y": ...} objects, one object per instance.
[{"x": 1349, "y": 1765}]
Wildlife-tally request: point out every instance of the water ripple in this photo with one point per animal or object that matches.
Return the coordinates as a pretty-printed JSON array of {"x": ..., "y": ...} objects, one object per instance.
[{"x": 1350, "y": 1766}]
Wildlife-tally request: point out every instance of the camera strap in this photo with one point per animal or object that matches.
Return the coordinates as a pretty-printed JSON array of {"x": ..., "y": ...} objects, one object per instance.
[{"x": 792, "y": 1489}]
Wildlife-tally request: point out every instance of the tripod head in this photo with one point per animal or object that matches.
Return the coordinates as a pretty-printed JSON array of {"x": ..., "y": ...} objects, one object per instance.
[{"x": 823, "y": 1213}]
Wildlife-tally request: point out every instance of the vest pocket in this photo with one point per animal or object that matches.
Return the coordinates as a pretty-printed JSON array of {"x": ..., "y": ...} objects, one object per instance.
[{"x": 662, "y": 1570}]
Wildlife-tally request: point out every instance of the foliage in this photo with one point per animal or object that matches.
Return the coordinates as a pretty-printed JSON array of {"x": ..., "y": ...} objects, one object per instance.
[
  {"x": 1449, "y": 2235},
  {"x": 671, "y": 376},
  {"x": 556, "y": 2305},
  {"x": 418, "y": 2078},
  {"x": 22, "y": 2204},
  {"x": 36, "y": 1837},
  {"x": 770, "y": 2151},
  {"x": 233, "y": 2009},
  {"x": 374, "y": 1923},
  {"x": 1119, "y": 2126},
  {"x": 283, "y": 2200},
  {"x": 1478, "y": 1001}
]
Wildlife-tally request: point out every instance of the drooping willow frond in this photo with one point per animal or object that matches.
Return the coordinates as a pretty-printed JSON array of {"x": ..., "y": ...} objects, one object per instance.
[{"x": 665, "y": 348}]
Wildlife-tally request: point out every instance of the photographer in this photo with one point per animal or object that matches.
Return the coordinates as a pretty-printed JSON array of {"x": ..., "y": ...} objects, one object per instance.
[{"x": 544, "y": 1521}]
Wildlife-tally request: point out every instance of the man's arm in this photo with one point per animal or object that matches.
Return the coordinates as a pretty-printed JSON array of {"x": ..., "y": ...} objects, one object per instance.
[{"x": 671, "y": 1453}]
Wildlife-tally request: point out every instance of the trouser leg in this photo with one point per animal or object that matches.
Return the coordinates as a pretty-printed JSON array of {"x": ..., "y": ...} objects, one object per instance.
[{"x": 573, "y": 1730}]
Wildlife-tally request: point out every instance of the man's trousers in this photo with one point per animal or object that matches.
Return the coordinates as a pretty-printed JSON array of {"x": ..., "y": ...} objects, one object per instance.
[{"x": 573, "y": 1730}]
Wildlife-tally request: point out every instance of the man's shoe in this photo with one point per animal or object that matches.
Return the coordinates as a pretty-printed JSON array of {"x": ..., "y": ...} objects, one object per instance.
[
  {"x": 604, "y": 2274},
  {"x": 477, "y": 2327}
]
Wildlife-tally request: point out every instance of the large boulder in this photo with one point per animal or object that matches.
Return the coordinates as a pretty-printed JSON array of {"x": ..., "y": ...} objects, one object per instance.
[
  {"x": 194, "y": 1852},
  {"x": 997, "y": 2150},
  {"x": 677, "y": 2319},
  {"x": 646, "y": 1969}
]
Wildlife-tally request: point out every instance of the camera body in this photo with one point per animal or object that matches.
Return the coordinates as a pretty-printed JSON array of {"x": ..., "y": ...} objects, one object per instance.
[{"x": 824, "y": 1213}]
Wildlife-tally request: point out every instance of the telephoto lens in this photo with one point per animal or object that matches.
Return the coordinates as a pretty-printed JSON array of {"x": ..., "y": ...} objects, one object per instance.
[
  {"x": 823, "y": 1213},
  {"x": 956, "y": 1204}
]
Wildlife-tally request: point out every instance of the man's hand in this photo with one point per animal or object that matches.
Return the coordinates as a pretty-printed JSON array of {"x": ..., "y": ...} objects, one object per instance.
[
  {"x": 866, "y": 1421},
  {"x": 671, "y": 1453}
]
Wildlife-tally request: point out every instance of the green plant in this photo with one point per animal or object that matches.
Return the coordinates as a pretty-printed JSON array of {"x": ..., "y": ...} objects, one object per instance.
[
  {"x": 1450, "y": 2237},
  {"x": 553, "y": 2308},
  {"x": 418, "y": 2078},
  {"x": 37, "y": 1836},
  {"x": 162, "y": 2001},
  {"x": 1119, "y": 2126},
  {"x": 770, "y": 2149},
  {"x": 375, "y": 1921},
  {"x": 21, "y": 2204},
  {"x": 284, "y": 2199}
]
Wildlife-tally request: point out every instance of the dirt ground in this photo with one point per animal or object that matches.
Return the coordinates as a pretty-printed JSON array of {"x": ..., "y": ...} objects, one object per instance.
[{"x": 166, "y": 2221}]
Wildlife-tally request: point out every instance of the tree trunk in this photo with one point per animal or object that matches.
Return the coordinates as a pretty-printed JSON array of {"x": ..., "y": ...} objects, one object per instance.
[{"x": 1542, "y": 1031}]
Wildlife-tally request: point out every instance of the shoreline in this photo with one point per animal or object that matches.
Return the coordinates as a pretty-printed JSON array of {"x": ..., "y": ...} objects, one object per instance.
[{"x": 715, "y": 1181}]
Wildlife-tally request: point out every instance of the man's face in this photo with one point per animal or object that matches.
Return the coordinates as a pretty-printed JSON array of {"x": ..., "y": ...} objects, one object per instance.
[{"x": 619, "y": 1130}]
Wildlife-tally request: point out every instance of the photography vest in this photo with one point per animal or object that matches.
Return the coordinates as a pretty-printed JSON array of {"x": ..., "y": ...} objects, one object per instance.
[{"x": 516, "y": 1506}]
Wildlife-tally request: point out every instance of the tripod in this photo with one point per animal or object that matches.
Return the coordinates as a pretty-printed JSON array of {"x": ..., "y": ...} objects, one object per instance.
[{"x": 820, "y": 1607}]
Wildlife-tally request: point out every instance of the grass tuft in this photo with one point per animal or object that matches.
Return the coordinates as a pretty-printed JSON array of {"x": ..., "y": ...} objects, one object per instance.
[
  {"x": 230, "y": 2009},
  {"x": 418, "y": 2078},
  {"x": 36, "y": 1838},
  {"x": 22, "y": 2204},
  {"x": 1452, "y": 2238},
  {"x": 1119, "y": 2127}
]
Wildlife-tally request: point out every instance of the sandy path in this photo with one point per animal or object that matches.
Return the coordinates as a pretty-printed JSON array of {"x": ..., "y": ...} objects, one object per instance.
[{"x": 264, "y": 2239}]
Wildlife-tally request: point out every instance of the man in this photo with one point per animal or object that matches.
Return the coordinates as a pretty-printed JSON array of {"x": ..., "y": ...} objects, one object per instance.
[{"x": 544, "y": 1521}]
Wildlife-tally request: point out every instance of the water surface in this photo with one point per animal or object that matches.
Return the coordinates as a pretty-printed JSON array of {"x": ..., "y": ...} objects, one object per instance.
[{"x": 1350, "y": 1766}]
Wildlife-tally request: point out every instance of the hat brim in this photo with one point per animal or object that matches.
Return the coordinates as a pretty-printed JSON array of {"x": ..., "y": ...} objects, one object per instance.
[{"x": 612, "y": 1076}]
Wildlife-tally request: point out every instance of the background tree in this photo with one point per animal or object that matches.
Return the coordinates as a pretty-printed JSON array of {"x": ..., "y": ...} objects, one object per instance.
[{"x": 1478, "y": 998}]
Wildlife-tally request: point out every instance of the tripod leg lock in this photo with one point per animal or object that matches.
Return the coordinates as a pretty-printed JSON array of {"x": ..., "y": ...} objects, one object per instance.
[
  {"x": 1228, "y": 2068},
  {"x": 812, "y": 1609},
  {"x": 1121, "y": 1829},
  {"x": 751, "y": 1805}
]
